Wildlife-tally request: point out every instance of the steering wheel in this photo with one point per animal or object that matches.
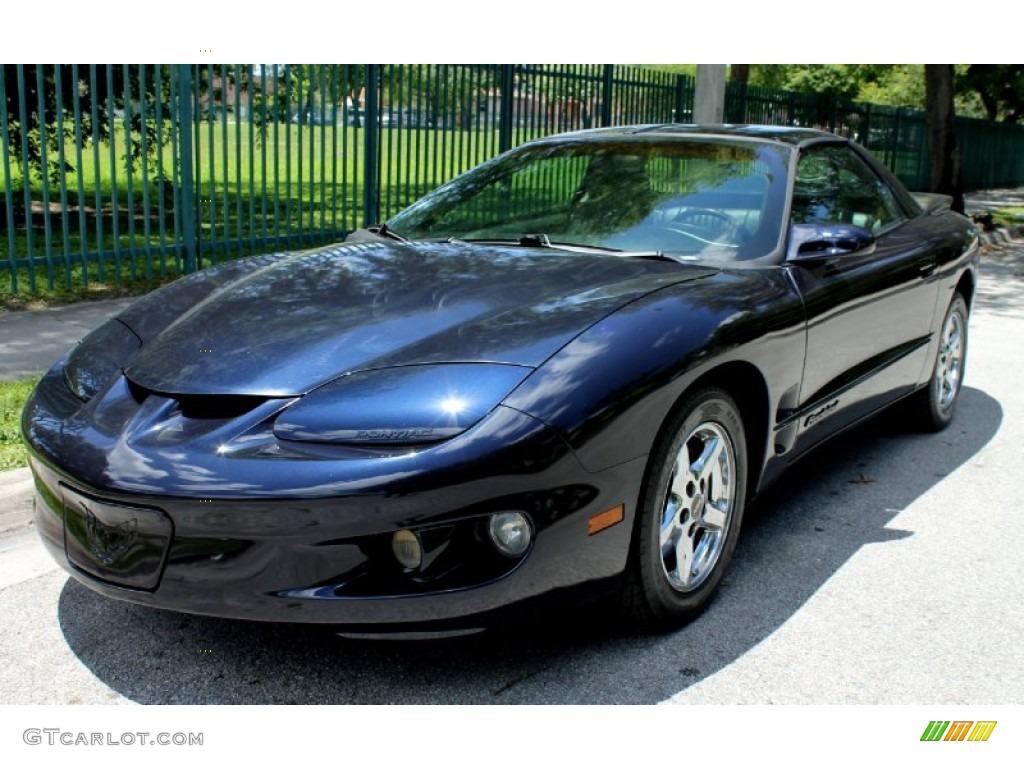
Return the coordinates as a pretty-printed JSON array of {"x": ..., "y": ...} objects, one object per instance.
[
  {"x": 715, "y": 224},
  {"x": 683, "y": 238}
]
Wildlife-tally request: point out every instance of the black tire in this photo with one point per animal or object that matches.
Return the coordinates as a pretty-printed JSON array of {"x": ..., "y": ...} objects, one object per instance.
[
  {"x": 688, "y": 511},
  {"x": 932, "y": 407}
]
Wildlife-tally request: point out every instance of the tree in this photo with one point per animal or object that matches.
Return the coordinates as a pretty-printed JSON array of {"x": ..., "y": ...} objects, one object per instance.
[
  {"x": 942, "y": 149},
  {"x": 769, "y": 75},
  {"x": 452, "y": 94},
  {"x": 840, "y": 80},
  {"x": 895, "y": 85},
  {"x": 900, "y": 85},
  {"x": 109, "y": 96},
  {"x": 843, "y": 81},
  {"x": 286, "y": 90},
  {"x": 1000, "y": 88}
]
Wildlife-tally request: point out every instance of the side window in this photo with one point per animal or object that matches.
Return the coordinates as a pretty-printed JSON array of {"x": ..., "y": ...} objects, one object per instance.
[{"x": 834, "y": 185}]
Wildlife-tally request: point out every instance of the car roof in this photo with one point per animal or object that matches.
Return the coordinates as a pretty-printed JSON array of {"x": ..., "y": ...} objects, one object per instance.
[{"x": 793, "y": 135}]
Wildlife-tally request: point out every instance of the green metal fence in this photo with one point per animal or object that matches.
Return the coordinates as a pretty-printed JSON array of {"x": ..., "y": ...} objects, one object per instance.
[{"x": 115, "y": 173}]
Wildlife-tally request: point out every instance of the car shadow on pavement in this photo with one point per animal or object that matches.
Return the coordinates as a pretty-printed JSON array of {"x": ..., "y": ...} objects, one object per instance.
[{"x": 796, "y": 537}]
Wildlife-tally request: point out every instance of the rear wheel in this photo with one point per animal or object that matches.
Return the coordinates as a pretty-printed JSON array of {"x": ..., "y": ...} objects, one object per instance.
[
  {"x": 690, "y": 511},
  {"x": 933, "y": 406}
]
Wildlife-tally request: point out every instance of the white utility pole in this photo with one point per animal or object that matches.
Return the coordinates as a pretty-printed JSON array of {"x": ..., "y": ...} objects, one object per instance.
[{"x": 709, "y": 100}]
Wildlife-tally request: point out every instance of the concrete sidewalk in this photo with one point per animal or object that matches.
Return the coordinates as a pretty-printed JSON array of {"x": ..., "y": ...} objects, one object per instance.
[
  {"x": 980, "y": 203},
  {"x": 33, "y": 340},
  {"x": 993, "y": 199},
  {"x": 15, "y": 499}
]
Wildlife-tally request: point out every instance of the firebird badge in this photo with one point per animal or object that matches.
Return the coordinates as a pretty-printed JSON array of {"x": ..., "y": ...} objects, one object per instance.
[
  {"x": 824, "y": 412},
  {"x": 109, "y": 542}
]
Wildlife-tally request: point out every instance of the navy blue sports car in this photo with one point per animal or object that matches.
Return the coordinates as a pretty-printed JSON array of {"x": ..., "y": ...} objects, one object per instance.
[{"x": 562, "y": 375}]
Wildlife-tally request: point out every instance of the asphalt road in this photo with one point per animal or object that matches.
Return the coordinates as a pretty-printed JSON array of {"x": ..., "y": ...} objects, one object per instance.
[{"x": 885, "y": 569}]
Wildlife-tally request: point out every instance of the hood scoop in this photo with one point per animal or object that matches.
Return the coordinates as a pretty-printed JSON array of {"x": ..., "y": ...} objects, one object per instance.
[
  {"x": 201, "y": 407},
  {"x": 163, "y": 419}
]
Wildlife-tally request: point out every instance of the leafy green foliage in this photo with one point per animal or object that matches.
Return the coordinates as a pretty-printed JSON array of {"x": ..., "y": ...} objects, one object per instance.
[
  {"x": 110, "y": 97},
  {"x": 286, "y": 90},
  {"x": 1000, "y": 87},
  {"x": 840, "y": 80},
  {"x": 896, "y": 85},
  {"x": 1008, "y": 217},
  {"x": 13, "y": 395}
]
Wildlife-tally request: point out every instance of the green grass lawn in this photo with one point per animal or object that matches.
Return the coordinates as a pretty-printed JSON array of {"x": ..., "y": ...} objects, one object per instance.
[
  {"x": 13, "y": 395},
  {"x": 61, "y": 295},
  {"x": 291, "y": 186},
  {"x": 287, "y": 162},
  {"x": 1008, "y": 217}
]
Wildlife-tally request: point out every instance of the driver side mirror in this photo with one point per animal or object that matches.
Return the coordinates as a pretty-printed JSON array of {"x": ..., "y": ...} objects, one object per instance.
[{"x": 812, "y": 243}]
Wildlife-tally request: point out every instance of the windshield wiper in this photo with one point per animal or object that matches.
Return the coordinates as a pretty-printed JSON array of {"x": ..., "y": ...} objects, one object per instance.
[
  {"x": 382, "y": 230},
  {"x": 376, "y": 232},
  {"x": 539, "y": 240},
  {"x": 543, "y": 241}
]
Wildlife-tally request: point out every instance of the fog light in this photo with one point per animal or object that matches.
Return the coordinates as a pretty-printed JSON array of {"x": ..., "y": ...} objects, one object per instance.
[
  {"x": 510, "y": 533},
  {"x": 407, "y": 549}
]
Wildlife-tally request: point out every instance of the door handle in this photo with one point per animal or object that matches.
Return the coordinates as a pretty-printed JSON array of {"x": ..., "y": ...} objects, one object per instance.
[{"x": 926, "y": 270}]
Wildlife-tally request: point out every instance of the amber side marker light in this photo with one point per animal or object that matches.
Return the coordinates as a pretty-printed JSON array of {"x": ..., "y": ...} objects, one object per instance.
[{"x": 606, "y": 519}]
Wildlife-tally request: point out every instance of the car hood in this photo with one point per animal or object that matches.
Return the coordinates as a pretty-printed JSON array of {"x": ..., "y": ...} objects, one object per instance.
[{"x": 298, "y": 321}]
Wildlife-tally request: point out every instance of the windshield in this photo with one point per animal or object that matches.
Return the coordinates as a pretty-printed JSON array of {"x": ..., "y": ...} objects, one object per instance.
[{"x": 694, "y": 198}]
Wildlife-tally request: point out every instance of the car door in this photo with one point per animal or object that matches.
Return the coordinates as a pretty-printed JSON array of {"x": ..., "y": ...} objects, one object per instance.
[{"x": 869, "y": 313}]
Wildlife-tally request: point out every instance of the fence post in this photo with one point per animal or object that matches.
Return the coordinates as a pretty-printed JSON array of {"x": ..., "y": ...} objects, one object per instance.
[
  {"x": 508, "y": 85},
  {"x": 371, "y": 140},
  {"x": 895, "y": 141},
  {"x": 8, "y": 194},
  {"x": 680, "y": 96},
  {"x": 23, "y": 122},
  {"x": 188, "y": 198},
  {"x": 606, "y": 96},
  {"x": 735, "y": 102}
]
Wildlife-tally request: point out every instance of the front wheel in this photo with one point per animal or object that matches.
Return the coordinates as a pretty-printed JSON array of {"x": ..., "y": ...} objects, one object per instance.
[
  {"x": 690, "y": 509},
  {"x": 933, "y": 406}
]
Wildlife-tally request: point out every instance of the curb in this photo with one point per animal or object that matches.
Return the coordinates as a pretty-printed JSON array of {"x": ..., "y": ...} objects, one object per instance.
[
  {"x": 16, "y": 488},
  {"x": 1001, "y": 235}
]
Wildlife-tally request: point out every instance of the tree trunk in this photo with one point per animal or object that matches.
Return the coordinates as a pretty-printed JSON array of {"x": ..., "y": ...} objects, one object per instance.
[
  {"x": 942, "y": 149},
  {"x": 740, "y": 75}
]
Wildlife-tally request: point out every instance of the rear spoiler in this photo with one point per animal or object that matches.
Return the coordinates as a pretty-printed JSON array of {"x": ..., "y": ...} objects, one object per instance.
[{"x": 933, "y": 203}]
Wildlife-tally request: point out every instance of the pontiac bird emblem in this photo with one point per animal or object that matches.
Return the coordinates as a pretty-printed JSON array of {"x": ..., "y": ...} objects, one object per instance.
[{"x": 109, "y": 542}]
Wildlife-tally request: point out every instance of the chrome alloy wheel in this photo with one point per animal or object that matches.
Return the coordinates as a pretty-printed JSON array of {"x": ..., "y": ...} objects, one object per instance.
[
  {"x": 698, "y": 506},
  {"x": 950, "y": 362}
]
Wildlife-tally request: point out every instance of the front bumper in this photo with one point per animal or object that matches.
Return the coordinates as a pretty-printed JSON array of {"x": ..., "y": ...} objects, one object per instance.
[{"x": 307, "y": 540}]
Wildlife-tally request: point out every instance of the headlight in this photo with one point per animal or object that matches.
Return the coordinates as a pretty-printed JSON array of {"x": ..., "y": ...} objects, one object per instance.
[
  {"x": 407, "y": 549},
  {"x": 510, "y": 533},
  {"x": 410, "y": 404},
  {"x": 99, "y": 357}
]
